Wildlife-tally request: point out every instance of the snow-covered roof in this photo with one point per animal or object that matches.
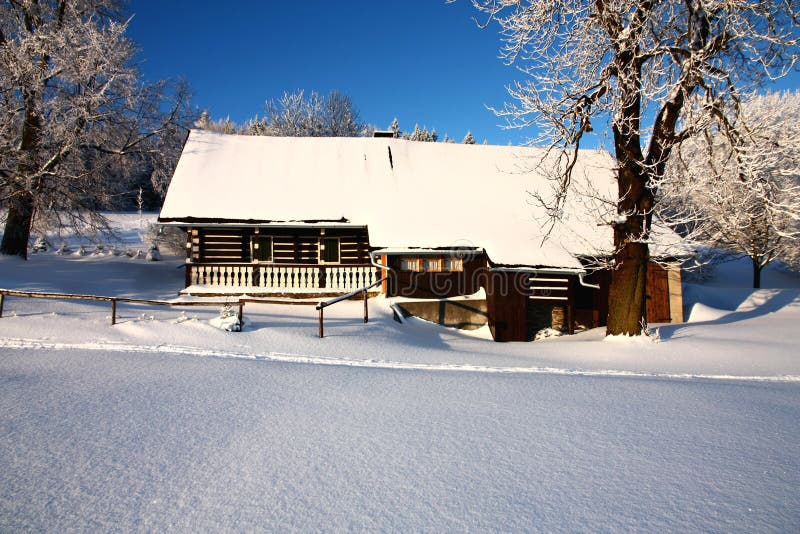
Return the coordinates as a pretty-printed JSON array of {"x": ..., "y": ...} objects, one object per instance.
[{"x": 409, "y": 194}]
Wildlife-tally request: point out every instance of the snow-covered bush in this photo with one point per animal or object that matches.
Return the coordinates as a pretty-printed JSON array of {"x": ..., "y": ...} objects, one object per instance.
[
  {"x": 545, "y": 333},
  {"x": 40, "y": 245},
  {"x": 153, "y": 254},
  {"x": 228, "y": 320}
]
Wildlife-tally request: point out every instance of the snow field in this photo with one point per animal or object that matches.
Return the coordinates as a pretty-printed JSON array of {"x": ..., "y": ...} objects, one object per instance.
[
  {"x": 111, "y": 441},
  {"x": 164, "y": 422}
]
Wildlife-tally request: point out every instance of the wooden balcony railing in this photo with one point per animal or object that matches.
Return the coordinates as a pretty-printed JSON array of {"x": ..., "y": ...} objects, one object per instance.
[{"x": 282, "y": 276}]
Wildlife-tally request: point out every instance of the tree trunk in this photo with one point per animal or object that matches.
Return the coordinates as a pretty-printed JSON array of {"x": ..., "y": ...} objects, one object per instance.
[
  {"x": 757, "y": 273},
  {"x": 627, "y": 307},
  {"x": 18, "y": 226}
]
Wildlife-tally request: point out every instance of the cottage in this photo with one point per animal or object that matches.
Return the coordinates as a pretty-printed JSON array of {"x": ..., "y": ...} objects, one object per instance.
[{"x": 450, "y": 231}]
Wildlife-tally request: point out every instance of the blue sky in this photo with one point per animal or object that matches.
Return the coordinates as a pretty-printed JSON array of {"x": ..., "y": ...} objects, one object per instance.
[{"x": 422, "y": 61}]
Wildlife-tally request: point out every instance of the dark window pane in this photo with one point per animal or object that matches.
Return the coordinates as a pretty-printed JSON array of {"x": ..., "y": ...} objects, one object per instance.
[
  {"x": 264, "y": 248},
  {"x": 330, "y": 251}
]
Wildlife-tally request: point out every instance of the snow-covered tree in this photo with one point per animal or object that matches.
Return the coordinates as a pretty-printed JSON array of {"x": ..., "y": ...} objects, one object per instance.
[
  {"x": 655, "y": 72},
  {"x": 341, "y": 117},
  {"x": 395, "y": 128},
  {"x": 203, "y": 122},
  {"x": 75, "y": 112},
  {"x": 468, "y": 139},
  {"x": 738, "y": 187},
  {"x": 298, "y": 115},
  {"x": 417, "y": 134}
]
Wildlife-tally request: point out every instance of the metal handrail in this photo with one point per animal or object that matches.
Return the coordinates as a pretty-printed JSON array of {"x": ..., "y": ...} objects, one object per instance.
[{"x": 322, "y": 305}]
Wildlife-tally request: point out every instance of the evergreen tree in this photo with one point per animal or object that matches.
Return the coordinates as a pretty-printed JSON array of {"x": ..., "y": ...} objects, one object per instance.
[{"x": 468, "y": 139}]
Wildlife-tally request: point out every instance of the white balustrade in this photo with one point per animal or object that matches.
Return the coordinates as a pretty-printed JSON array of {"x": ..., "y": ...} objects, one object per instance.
[{"x": 285, "y": 277}]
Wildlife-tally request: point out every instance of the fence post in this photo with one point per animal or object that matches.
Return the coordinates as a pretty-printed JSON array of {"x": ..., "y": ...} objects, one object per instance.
[
  {"x": 366, "y": 312},
  {"x": 2, "y": 297},
  {"x": 113, "y": 312},
  {"x": 320, "y": 320},
  {"x": 241, "y": 311}
]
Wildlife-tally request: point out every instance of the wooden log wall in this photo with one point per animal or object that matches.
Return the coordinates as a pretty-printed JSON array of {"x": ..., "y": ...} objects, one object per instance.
[
  {"x": 224, "y": 245},
  {"x": 289, "y": 245},
  {"x": 293, "y": 248}
]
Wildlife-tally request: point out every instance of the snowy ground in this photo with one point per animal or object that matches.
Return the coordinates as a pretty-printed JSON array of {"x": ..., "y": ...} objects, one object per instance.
[{"x": 164, "y": 422}]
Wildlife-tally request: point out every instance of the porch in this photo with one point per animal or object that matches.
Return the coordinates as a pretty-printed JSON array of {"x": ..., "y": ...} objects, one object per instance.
[{"x": 277, "y": 279}]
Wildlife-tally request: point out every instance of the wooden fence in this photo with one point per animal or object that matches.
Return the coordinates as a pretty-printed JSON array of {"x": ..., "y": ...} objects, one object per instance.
[
  {"x": 113, "y": 300},
  {"x": 239, "y": 303}
]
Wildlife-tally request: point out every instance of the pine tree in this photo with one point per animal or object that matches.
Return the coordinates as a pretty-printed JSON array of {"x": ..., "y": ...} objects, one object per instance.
[{"x": 468, "y": 139}]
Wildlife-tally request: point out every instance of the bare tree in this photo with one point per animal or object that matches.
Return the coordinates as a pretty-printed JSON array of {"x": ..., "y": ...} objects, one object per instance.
[
  {"x": 656, "y": 71},
  {"x": 738, "y": 188},
  {"x": 74, "y": 112}
]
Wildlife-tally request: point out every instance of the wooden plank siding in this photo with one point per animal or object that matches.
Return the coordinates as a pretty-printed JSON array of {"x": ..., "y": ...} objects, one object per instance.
[
  {"x": 657, "y": 294},
  {"x": 507, "y": 306},
  {"x": 436, "y": 285}
]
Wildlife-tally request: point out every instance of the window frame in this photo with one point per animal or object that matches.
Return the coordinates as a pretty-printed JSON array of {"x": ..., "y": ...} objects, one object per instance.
[
  {"x": 321, "y": 249},
  {"x": 255, "y": 248},
  {"x": 414, "y": 260},
  {"x": 457, "y": 260},
  {"x": 438, "y": 260}
]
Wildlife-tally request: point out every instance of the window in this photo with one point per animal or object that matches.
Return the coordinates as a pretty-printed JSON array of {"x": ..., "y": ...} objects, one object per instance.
[
  {"x": 329, "y": 250},
  {"x": 409, "y": 264},
  {"x": 262, "y": 248},
  {"x": 431, "y": 264},
  {"x": 453, "y": 264}
]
